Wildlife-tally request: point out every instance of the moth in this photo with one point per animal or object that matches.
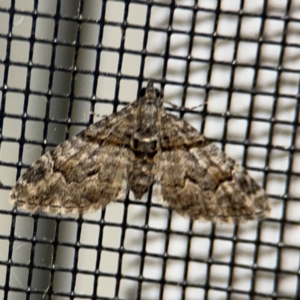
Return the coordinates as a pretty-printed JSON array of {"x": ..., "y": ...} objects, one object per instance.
[{"x": 134, "y": 149}]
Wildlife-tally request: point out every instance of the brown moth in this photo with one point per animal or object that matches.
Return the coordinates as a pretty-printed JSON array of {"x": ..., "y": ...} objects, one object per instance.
[{"x": 133, "y": 149}]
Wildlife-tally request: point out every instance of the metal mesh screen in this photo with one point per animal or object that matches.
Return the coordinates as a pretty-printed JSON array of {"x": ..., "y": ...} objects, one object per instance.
[{"x": 66, "y": 63}]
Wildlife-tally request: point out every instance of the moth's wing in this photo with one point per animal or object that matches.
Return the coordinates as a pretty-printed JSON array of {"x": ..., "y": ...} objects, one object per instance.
[
  {"x": 199, "y": 181},
  {"x": 83, "y": 173}
]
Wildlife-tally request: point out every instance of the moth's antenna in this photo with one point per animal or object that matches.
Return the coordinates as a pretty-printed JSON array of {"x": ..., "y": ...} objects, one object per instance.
[{"x": 150, "y": 84}]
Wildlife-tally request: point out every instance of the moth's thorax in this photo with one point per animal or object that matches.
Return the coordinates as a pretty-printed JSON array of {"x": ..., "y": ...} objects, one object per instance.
[{"x": 145, "y": 138}]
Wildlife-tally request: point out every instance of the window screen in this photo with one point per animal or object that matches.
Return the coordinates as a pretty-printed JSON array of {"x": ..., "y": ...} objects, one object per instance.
[{"x": 65, "y": 64}]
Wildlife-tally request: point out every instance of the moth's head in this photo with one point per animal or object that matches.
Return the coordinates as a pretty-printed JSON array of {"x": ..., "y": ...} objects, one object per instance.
[{"x": 150, "y": 93}]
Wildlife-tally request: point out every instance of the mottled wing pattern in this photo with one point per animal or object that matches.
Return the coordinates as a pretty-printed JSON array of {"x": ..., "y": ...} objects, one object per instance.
[
  {"x": 84, "y": 173},
  {"x": 140, "y": 146},
  {"x": 199, "y": 181}
]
